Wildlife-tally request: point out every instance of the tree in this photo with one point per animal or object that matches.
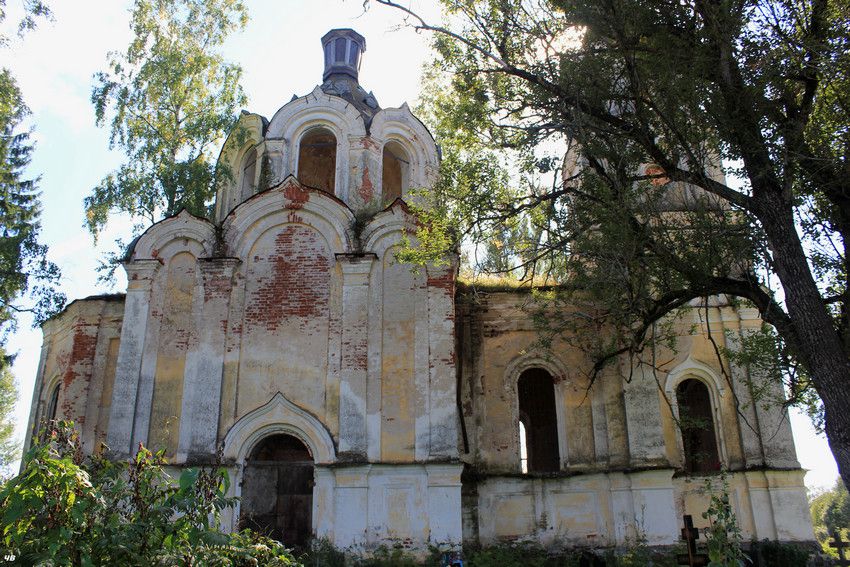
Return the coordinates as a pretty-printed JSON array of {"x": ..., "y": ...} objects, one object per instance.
[
  {"x": 8, "y": 396},
  {"x": 647, "y": 99},
  {"x": 168, "y": 99},
  {"x": 24, "y": 267},
  {"x": 27, "y": 278},
  {"x": 831, "y": 513},
  {"x": 32, "y": 11},
  {"x": 67, "y": 509}
]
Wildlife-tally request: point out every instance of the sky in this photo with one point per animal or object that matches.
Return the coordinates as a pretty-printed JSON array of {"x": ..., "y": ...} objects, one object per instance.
[{"x": 280, "y": 54}]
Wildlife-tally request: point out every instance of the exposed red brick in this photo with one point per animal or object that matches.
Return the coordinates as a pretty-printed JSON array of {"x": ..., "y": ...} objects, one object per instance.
[
  {"x": 369, "y": 143},
  {"x": 81, "y": 355},
  {"x": 367, "y": 190},
  {"x": 293, "y": 280},
  {"x": 77, "y": 372},
  {"x": 295, "y": 195}
]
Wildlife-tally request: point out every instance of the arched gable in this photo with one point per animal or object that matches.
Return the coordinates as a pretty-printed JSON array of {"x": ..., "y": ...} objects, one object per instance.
[
  {"x": 279, "y": 415},
  {"x": 247, "y": 134},
  {"x": 691, "y": 368},
  {"x": 288, "y": 202},
  {"x": 181, "y": 232},
  {"x": 401, "y": 126},
  {"x": 317, "y": 109},
  {"x": 387, "y": 227}
]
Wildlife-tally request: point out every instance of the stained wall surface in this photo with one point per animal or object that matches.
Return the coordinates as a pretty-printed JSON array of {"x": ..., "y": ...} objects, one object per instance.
[
  {"x": 621, "y": 470},
  {"x": 289, "y": 313}
]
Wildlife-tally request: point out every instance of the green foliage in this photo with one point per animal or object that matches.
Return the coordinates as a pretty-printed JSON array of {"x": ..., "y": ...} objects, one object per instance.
[
  {"x": 27, "y": 278},
  {"x": 168, "y": 100},
  {"x": 9, "y": 446},
  {"x": 24, "y": 267},
  {"x": 32, "y": 11},
  {"x": 517, "y": 556},
  {"x": 64, "y": 509},
  {"x": 777, "y": 554},
  {"x": 591, "y": 142},
  {"x": 723, "y": 535},
  {"x": 639, "y": 554},
  {"x": 831, "y": 513}
]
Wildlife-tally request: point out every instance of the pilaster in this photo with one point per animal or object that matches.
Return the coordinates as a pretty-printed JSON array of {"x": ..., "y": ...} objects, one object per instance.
[
  {"x": 140, "y": 275},
  {"x": 442, "y": 408},
  {"x": 354, "y": 359},
  {"x": 205, "y": 362}
]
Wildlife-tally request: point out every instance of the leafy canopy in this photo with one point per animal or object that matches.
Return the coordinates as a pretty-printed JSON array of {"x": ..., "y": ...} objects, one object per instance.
[
  {"x": 168, "y": 100},
  {"x": 647, "y": 154}
]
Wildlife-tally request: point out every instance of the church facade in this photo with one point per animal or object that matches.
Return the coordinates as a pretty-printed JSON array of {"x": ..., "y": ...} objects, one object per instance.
[{"x": 356, "y": 399}]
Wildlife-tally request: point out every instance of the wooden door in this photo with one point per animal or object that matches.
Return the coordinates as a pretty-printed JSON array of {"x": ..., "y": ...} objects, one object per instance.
[{"x": 277, "y": 491}]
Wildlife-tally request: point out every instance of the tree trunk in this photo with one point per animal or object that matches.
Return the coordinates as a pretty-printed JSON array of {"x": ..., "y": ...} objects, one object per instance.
[{"x": 818, "y": 345}]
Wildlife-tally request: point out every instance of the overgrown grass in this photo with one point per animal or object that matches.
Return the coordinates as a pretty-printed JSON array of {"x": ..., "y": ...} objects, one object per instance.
[{"x": 762, "y": 554}]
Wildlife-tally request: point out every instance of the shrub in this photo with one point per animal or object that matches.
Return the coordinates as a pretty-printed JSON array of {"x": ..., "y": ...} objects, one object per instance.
[{"x": 67, "y": 509}]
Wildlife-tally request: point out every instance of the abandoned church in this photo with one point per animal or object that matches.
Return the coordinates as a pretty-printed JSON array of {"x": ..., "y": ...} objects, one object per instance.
[{"x": 357, "y": 399}]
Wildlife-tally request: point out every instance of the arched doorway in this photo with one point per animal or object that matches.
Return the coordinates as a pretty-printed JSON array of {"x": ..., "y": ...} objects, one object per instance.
[{"x": 277, "y": 490}]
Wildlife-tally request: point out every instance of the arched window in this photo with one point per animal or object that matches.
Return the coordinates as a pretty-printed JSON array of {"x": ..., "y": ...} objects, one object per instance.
[
  {"x": 396, "y": 171},
  {"x": 317, "y": 159},
  {"x": 249, "y": 172},
  {"x": 277, "y": 490},
  {"x": 538, "y": 421},
  {"x": 52, "y": 404},
  {"x": 696, "y": 422}
]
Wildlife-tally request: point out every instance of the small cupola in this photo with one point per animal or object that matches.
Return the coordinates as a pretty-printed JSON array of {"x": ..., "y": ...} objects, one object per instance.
[{"x": 343, "y": 49}]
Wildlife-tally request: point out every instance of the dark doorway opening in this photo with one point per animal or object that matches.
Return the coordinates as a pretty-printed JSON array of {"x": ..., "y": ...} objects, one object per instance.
[
  {"x": 277, "y": 491},
  {"x": 697, "y": 425}
]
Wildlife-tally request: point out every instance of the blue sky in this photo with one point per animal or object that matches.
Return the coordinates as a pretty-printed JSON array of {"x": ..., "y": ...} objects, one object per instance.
[{"x": 280, "y": 54}]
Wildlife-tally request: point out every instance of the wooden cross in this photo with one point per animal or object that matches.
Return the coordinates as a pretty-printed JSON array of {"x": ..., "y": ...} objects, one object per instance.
[
  {"x": 690, "y": 534},
  {"x": 839, "y": 546}
]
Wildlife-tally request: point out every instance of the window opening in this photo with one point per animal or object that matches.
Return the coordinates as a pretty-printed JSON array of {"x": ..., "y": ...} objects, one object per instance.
[
  {"x": 53, "y": 403},
  {"x": 539, "y": 420},
  {"x": 523, "y": 448},
  {"x": 249, "y": 170},
  {"x": 396, "y": 170},
  {"x": 317, "y": 159},
  {"x": 696, "y": 422}
]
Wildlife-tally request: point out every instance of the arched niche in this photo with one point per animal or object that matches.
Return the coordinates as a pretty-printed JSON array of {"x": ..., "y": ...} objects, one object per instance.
[
  {"x": 538, "y": 420},
  {"x": 314, "y": 110},
  {"x": 697, "y": 427},
  {"x": 279, "y": 416},
  {"x": 248, "y": 174},
  {"x": 401, "y": 127},
  {"x": 51, "y": 403}
]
